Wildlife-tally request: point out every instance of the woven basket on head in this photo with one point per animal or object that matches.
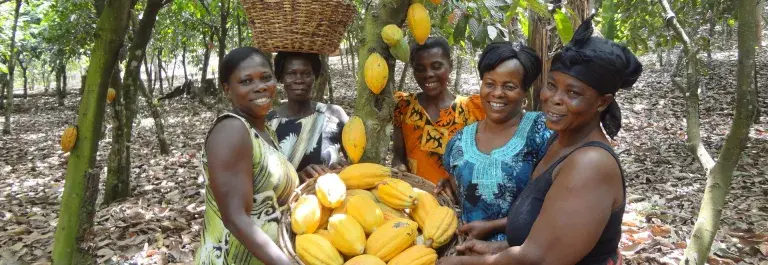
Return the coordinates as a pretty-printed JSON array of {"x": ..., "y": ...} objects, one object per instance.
[
  {"x": 310, "y": 26},
  {"x": 287, "y": 238}
]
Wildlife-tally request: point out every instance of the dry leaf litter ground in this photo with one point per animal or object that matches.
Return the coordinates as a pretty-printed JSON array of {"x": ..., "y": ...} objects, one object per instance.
[{"x": 161, "y": 223}]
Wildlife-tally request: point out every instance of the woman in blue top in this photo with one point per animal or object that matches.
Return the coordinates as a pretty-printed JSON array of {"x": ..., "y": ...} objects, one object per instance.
[{"x": 491, "y": 161}]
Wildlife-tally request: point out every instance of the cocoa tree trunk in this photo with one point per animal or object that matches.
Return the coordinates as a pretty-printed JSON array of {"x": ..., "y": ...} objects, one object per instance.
[
  {"x": 11, "y": 66},
  {"x": 321, "y": 84},
  {"x": 24, "y": 75},
  {"x": 690, "y": 90},
  {"x": 457, "y": 82},
  {"x": 184, "y": 61},
  {"x": 148, "y": 72},
  {"x": 204, "y": 75},
  {"x": 719, "y": 178},
  {"x": 403, "y": 76},
  {"x": 61, "y": 83},
  {"x": 376, "y": 110},
  {"x": 82, "y": 179},
  {"x": 539, "y": 40},
  {"x": 118, "y": 183},
  {"x": 159, "y": 127}
]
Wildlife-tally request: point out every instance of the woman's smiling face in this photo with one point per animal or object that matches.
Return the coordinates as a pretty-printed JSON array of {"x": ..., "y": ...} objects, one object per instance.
[
  {"x": 569, "y": 103},
  {"x": 431, "y": 69},
  {"x": 502, "y": 91},
  {"x": 298, "y": 79},
  {"x": 251, "y": 87}
]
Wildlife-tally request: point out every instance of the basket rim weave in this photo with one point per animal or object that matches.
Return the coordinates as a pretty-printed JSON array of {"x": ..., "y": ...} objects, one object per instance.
[
  {"x": 309, "y": 26},
  {"x": 286, "y": 236}
]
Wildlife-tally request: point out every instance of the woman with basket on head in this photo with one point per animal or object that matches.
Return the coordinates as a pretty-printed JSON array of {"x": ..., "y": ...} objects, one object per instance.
[
  {"x": 309, "y": 132},
  {"x": 490, "y": 161},
  {"x": 571, "y": 211},
  {"x": 425, "y": 121},
  {"x": 248, "y": 180}
]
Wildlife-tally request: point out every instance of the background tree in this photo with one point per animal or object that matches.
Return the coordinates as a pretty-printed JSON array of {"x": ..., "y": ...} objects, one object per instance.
[
  {"x": 119, "y": 171},
  {"x": 81, "y": 185},
  {"x": 11, "y": 67}
]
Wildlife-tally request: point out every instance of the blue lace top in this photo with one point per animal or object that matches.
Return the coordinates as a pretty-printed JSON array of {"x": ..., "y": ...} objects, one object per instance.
[{"x": 489, "y": 183}]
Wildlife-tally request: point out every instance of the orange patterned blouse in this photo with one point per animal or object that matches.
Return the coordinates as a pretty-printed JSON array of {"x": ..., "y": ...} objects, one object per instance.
[{"x": 424, "y": 139}]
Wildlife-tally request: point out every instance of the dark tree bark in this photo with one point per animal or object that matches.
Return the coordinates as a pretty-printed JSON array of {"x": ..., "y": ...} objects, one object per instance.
[
  {"x": 184, "y": 60},
  {"x": 403, "y": 76},
  {"x": 24, "y": 69},
  {"x": 117, "y": 185},
  {"x": 11, "y": 66}
]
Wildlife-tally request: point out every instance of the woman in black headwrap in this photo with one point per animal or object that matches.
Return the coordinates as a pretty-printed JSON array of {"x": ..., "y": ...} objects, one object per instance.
[
  {"x": 490, "y": 162},
  {"x": 570, "y": 212}
]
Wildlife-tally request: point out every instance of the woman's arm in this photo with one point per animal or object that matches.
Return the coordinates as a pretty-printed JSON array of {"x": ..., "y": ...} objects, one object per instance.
[
  {"x": 483, "y": 229},
  {"x": 575, "y": 212},
  {"x": 230, "y": 167}
]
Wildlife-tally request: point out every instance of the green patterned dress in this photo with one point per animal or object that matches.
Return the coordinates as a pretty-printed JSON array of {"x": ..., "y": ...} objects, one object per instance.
[{"x": 274, "y": 179}]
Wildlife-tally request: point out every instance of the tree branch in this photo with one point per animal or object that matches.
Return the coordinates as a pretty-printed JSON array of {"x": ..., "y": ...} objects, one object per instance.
[{"x": 690, "y": 90}]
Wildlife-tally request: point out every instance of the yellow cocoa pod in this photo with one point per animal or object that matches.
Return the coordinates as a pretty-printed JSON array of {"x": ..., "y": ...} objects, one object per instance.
[
  {"x": 324, "y": 233},
  {"x": 391, "y": 238},
  {"x": 346, "y": 234},
  {"x": 391, "y": 34},
  {"x": 330, "y": 190},
  {"x": 396, "y": 193},
  {"x": 440, "y": 227},
  {"x": 111, "y": 94},
  {"x": 365, "y": 259},
  {"x": 362, "y": 192},
  {"x": 419, "y": 22},
  {"x": 425, "y": 203},
  {"x": 366, "y": 212},
  {"x": 376, "y": 73},
  {"x": 353, "y": 138},
  {"x": 364, "y": 175},
  {"x": 325, "y": 213},
  {"x": 306, "y": 214},
  {"x": 390, "y": 213},
  {"x": 415, "y": 255},
  {"x": 316, "y": 250},
  {"x": 68, "y": 138}
]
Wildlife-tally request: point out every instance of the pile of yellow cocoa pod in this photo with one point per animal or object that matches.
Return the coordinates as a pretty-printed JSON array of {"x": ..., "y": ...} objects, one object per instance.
[{"x": 363, "y": 215}]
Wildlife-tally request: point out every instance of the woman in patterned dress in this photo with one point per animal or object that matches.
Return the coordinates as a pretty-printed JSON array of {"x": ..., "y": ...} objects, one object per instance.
[
  {"x": 425, "y": 121},
  {"x": 248, "y": 180},
  {"x": 491, "y": 161},
  {"x": 309, "y": 132},
  {"x": 571, "y": 211}
]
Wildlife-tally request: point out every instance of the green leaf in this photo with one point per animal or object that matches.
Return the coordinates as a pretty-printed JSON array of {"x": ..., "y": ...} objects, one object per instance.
[
  {"x": 460, "y": 32},
  {"x": 564, "y": 27},
  {"x": 539, "y": 8},
  {"x": 523, "y": 21}
]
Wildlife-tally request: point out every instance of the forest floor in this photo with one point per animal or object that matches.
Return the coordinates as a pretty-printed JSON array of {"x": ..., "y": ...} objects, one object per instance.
[{"x": 161, "y": 223}]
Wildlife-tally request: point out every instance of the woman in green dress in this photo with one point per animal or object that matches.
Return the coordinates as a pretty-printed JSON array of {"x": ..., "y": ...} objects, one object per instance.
[{"x": 248, "y": 180}]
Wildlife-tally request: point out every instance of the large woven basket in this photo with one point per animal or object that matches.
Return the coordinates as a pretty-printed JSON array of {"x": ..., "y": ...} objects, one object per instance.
[
  {"x": 287, "y": 238},
  {"x": 310, "y": 26}
]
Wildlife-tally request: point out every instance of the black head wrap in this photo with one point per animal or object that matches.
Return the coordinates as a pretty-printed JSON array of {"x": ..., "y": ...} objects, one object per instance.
[
  {"x": 603, "y": 65},
  {"x": 499, "y": 52}
]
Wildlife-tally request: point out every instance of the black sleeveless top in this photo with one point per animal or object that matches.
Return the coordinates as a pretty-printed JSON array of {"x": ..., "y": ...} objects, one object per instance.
[{"x": 523, "y": 213}]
